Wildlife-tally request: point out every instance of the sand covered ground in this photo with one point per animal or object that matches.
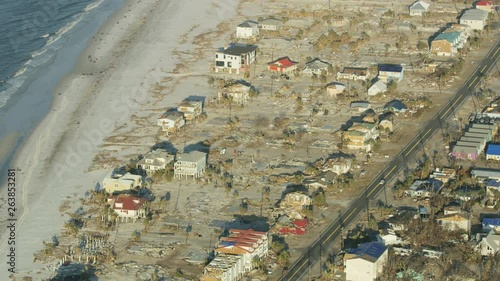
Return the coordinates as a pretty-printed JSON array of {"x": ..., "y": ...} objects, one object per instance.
[{"x": 137, "y": 49}]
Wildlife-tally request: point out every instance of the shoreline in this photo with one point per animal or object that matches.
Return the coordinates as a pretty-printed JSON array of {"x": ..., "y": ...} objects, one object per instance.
[{"x": 85, "y": 109}]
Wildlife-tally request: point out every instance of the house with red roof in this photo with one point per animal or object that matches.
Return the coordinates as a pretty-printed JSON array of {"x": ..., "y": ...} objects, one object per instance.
[
  {"x": 485, "y": 6},
  {"x": 128, "y": 206},
  {"x": 282, "y": 65},
  {"x": 235, "y": 253}
]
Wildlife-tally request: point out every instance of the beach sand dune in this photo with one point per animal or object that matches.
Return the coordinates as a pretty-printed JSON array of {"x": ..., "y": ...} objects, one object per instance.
[{"x": 113, "y": 79}]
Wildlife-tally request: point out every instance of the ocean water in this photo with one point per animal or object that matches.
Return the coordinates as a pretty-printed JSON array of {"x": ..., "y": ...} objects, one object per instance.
[
  {"x": 31, "y": 32},
  {"x": 41, "y": 41}
]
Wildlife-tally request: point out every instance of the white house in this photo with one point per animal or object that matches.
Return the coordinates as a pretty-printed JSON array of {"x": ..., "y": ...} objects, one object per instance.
[
  {"x": 317, "y": 67},
  {"x": 378, "y": 87},
  {"x": 248, "y": 29},
  {"x": 418, "y": 8},
  {"x": 366, "y": 262},
  {"x": 236, "y": 58},
  {"x": 390, "y": 72},
  {"x": 190, "y": 164},
  {"x": 490, "y": 245},
  {"x": 270, "y": 24},
  {"x": 127, "y": 206},
  {"x": 115, "y": 181},
  {"x": 155, "y": 160},
  {"x": 455, "y": 222},
  {"x": 171, "y": 122},
  {"x": 474, "y": 18}
]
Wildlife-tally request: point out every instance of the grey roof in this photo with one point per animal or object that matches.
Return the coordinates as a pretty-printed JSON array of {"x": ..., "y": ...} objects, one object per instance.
[
  {"x": 474, "y": 14},
  {"x": 420, "y": 5},
  {"x": 493, "y": 240},
  {"x": 317, "y": 64},
  {"x": 396, "y": 105},
  {"x": 486, "y": 173},
  {"x": 362, "y": 104},
  {"x": 483, "y": 126},
  {"x": 155, "y": 155},
  {"x": 248, "y": 23},
  {"x": 480, "y": 140},
  {"x": 238, "y": 49},
  {"x": 172, "y": 115},
  {"x": 464, "y": 149},
  {"x": 469, "y": 143},
  {"x": 192, "y": 156}
]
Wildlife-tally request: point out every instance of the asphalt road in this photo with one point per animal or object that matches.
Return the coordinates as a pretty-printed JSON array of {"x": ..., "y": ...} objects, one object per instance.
[{"x": 314, "y": 252}]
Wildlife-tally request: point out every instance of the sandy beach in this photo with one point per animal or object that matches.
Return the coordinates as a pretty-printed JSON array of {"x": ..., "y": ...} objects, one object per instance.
[{"x": 137, "y": 49}]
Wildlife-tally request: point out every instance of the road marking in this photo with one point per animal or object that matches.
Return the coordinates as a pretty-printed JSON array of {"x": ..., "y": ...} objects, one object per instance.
[
  {"x": 329, "y": 236},
  {"x": 482, "y": 70},
  {"x": 418, "y": 141},
  {"x": 496, "y": 52},
  {"x": 392, "y": 170},
  {"x": 475, "y": 78},
  {"x": 298, "y": 269}
]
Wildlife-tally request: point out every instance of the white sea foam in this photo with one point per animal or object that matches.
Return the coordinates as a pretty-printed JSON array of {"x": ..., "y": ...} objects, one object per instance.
[{"x": 42, "y": 55}]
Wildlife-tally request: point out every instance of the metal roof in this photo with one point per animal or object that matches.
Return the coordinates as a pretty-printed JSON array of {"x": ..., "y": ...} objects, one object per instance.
[
  {"x": 237, "y": 49},
  {"x": 390, "y": 67},
  {"x": 493, "y": 149},
  {"x": 371, "y": 250},
  {"x": 474, "y": 14}
]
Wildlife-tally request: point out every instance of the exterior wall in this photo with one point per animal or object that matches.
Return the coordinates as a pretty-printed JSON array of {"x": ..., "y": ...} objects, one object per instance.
[
  {"x": 112, "y": 185},
  {"x": 269, "y": 27},
  {"x": 186, "y": 169},
  {"x": 247, "y": 32},
  {"x": 360, "y": 270},
  {"x": 350, "y": 76},
  {"x": 442, "y": 48},
  {"x": 171, "y": 126},
  {"x": 310, "y": 72},
  {"x": 492, "y": 157},
  {"x": 387, "y": 76},
  {"x": 474, "y": 24},
  {"x": 234, "y": 64}
]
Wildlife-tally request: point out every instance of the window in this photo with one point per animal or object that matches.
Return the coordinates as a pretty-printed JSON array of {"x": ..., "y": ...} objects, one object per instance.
[
  {"x": 216, "y": 56},
  {"x": 229, "y": 64},
  {"x": 219, "y": 63}
]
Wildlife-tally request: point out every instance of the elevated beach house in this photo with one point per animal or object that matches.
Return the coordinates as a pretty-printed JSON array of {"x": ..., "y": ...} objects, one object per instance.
[
  {"x": 155, "y": 160},
  {"x": 190, "y": 164},
  {"x": 248, "y": 29},
  {"x": 116, "y": 181},
  {"x": 236, "y": 58},
  {"x": 171, "y": 122},
  {"x": 128, "y": 207},
  {"x": 474, "y": 18},
  {"x": 190, "y": 109}
]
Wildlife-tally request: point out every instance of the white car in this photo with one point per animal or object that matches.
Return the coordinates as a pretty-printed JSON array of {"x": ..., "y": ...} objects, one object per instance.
[{"x": 381, "y": 182}]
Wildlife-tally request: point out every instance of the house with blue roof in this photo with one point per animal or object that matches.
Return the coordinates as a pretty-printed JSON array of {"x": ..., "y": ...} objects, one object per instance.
[
  {"x": 490, "y": 224},
  {"x": 493, "y": 152},
  {"x": 366, "y": 262},
  {"x": 492, "y": 188}
]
